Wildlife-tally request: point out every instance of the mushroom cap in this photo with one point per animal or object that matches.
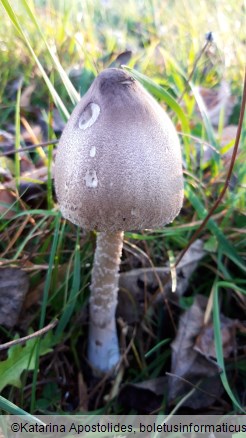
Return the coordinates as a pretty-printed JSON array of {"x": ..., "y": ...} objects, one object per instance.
[{"x": 118, "y": 163}]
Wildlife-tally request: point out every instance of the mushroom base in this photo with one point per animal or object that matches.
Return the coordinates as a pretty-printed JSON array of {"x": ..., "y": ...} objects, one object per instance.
[{"x": 103, "y": 349}]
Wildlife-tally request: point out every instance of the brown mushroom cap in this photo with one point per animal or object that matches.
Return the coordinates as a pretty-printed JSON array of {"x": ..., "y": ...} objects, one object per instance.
[{"x": 118, "y": 164}]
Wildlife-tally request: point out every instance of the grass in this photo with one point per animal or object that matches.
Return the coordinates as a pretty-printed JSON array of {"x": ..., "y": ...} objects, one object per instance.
[{"x": 40, "y": 43}]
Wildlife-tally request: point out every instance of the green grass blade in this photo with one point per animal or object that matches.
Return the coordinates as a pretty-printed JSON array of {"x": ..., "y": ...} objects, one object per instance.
[
  {"x": 50, "y": 269},
  {"x": 156, "y": 347},
  {"x": 13, "y": 409},
  {"x": 74, "y": 96},
  {"x": 219, "y": 347},
  {"x": 44, "y": 306},
  {"x": 226, "y": 246},
  {"x": 38, "y": 212},
  {"x": 57, "y": 100},
  {"x": 6, "y": 208},
  {"x": 69, "y": 307},
  {"x": 17, "y": 138},
  {"x": 232, "y": 286},
  {"x": 208, "y": 126},
  {"x": 28, "y": 238},
  {"x": 51, "y": 136}
]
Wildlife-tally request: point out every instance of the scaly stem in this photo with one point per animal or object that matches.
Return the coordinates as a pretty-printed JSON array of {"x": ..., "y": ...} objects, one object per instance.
[{"x": 103, "y": 348}]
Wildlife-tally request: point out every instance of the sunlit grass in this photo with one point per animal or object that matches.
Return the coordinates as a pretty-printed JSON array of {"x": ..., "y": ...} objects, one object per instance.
[{"x": 61, "y": 46}]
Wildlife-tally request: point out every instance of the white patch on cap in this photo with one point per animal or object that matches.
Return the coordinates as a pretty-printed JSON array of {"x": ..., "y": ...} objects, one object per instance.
[
  {"x": 89, "y": 116},
  {"x": 127, "y": 82},
  {"x": 91, "y": 179},
  {"x": 93, "y": 152}
]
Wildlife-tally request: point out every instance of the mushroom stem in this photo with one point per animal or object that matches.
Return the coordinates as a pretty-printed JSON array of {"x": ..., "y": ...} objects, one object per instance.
[{"x": 103, "y": 347}]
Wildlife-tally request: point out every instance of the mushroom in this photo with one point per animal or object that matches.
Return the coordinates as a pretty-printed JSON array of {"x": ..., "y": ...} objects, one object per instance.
[{"x": 118, "y": 168}]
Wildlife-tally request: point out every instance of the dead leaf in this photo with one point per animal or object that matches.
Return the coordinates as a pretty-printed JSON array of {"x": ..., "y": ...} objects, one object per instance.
[
  {"x": 159, "y": 57},
  {"x": 38, "y": 174},
  {"x": 5, "y": 172},
  {"x": 189, "y": 365},
  {"x": 144, "y": 397},
  {"x": 26, "y": 95},
  {"x": 228, "y": 134},
  {"x": 33, "y": 186},
  {"x": 6, "y": 141},
  {"x": 135, "y": 284},
  {"x": 35, "y": 295},
  {"x": 7, "y": 199},
  {"x": 217, "y": 100},
  {"x": 204, "y": 343},
  {"x": 14, "y": 285},
  {"x": 26, "y": 165}
]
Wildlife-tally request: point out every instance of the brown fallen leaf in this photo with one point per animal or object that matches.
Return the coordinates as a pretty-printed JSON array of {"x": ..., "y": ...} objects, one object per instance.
[
  {"x": 6, "y": 141},
  {"x": 5, "y": 174},
  {"x": 204, "y": 342},
  {"x": 228, "y": 135},
  {"x": 191, "y": 366},
  {"x": 144, "y": 397},
  {"x": 26, "y": 95},
  {"x": 159, "y": 57},
  {"x": 14, "y": 285},
  {"x": 7, "y": 199},
  {"x": 26, "y": 165},
  {"x": 34, "y": 296},
  {"x": 217, "y": 100},
  {"x": 136, "y": 283},
  {"x": 39, "y": 174},
  {"x": 33, "y": 186}
]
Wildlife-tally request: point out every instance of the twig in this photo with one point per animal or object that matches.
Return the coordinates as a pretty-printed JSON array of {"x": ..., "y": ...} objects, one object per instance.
[
  {"x": 28, "y": 148},
  {"x": 27, "y": 338},
  {"x": 227, "y": 181}
]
